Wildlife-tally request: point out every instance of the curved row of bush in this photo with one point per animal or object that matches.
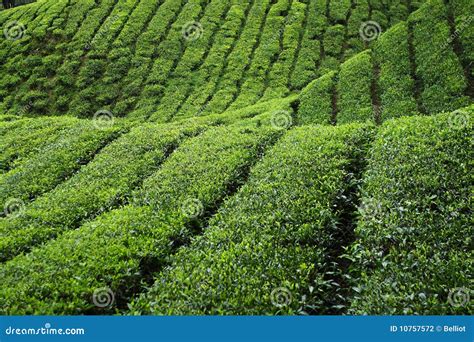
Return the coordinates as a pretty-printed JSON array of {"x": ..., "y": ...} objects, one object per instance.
[
  {"x": 413, "y": 251},
  {"x": 278, "y": 77},
  {"x": 119, "y": 59},
  {"x": 101, "y": 185},
  {"x": 21, "y": 138},
  {"x": 88, "y": 82},
  {"x": 122, "y": 248},
  {"x": 169, "y": 54},
  {"x": 180, "y": 86},
  {"x": 21, "y": 61},
  {"x": 240, "y": 59},
  {"x": 55, "y": 162},
  {"x": 266, "y": 249},
  {"x": 212, "y": 71},
  {"x": 148, "y": 48},
  {"x": 422, "y": 75}
]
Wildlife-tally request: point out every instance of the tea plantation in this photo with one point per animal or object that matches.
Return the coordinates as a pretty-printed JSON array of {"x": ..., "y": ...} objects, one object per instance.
[{"x": 268, "y": 157}]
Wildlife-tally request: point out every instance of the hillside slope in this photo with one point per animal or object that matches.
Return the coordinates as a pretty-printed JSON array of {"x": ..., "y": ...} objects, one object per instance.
[{"x": 230, "y": 157}]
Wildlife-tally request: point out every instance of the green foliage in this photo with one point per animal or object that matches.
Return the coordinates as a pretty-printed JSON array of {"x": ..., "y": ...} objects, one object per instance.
[
  {"x": 355, "y": 89},
  {"x": 334, "y": 40},
  {"x": 267, "y": 52},
  {"x": 437, "y": 65},
  {"x": 21, "y": 138},
  {"x": 338, "y": 10},
  {"x": 279, "y": 75},
  {"x": 310, "y": 52},
  {"x": 181, "y": 83},
  {"x": 126, "y": 162},
  {"x": 238, "y": 60},
  {"x": 55, "y": 162},
  {"x": 396, "y": 84},
  {"x": 316, "y": 101},
  {"x": 414, "y": 237},
  {"x": 462, "y": 11},
  {"x": 207, "y": 79},
  {"x": 133, "y": 241},
  {"x": 273, "y": 233}
]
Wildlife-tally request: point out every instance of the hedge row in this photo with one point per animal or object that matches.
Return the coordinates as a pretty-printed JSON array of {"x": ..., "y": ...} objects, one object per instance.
[
  {"x": 23, "y": 60},
  {"x": 11, "y": 53},
  {"x": 339, "y": 10},
  {"x": 397, "y": 87},
  {"x": 464, "y": 30},
  {"x": 212, "y": 71},
  {"x": 21, "y": 138},
  {"x": 239, "y": 59},
  {"x": 278, "y": 80},
  {"x": 30, "y": 17},
  {"x": 394, "y": 85},
  {"x": 360, "y": 13},
  {"x": 170, "y": 52},
  {"x": 414, "y": 236},
  {"x": 120, "y": 57},
  {"x": 123, "y": 247},
  {"x": 95, "y": 62},
  {"x": 146, "y": 51},
  {"x": 317, "y": 101},
  {"x": 334, "y": 40},
  {"x": 309, "y": 55},
  {"x": 180, "y": 86},
  {"x": 437, "y": 65},
  {"x": 355, "y": 89},
  {"x": 42, "y": 64},
  {"x": 269, "y": 240},
  {"x": 63, "y": 82},
  {"x": 271, "y": 41},
  {"x": 126, "y": 162},
  {"x": 54, "y": 163}
]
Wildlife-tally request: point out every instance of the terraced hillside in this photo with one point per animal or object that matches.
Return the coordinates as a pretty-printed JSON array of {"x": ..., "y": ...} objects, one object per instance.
[{"x": 236, "y": 157}]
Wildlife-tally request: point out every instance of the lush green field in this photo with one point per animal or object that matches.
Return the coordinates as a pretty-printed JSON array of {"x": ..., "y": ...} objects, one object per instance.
[{"x": 236, "y": 157}]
